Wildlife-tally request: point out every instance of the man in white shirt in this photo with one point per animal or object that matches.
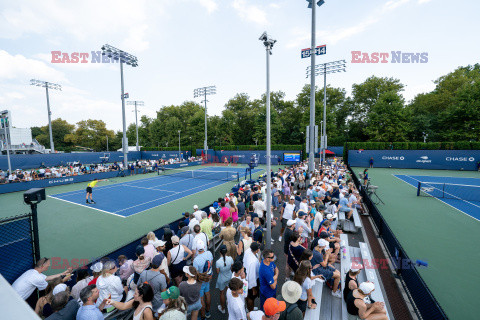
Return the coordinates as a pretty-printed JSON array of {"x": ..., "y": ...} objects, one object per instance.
[
  {"x": 259, "y": 206},
  {"x": 252, "y": 265},
  {"x": 304, "y": 223},
  {"x": 235, "y": 301},
  {"x": 33, "y": 279},
  {"x": 309, "y": 191},
  {"x": 287, "y": 213},
  {"x": 304, "y": 205},
  {"x": 197, "y": 213}
]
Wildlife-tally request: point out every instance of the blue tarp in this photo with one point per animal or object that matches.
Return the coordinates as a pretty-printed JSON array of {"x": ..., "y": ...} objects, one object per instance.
[{"x": 416, "y": 159}]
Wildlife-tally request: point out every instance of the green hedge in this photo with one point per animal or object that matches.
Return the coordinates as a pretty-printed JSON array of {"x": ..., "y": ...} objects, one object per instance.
[{"x": 457, "y": 145}]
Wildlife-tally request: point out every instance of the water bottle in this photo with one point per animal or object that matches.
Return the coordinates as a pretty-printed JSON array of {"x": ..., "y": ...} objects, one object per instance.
[{"x": 344, "y": 253}]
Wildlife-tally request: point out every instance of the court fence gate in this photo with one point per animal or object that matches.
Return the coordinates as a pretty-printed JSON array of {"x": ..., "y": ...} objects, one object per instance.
[
  {"x": 427, "y": 306},
  {"x": 19, "y": 245}
]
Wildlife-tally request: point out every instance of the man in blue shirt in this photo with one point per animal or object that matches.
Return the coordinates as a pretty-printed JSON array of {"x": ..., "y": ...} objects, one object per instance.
[
  {"x": 203, "y": 262},
  {"x": 89, "y": 311},
  {"x": 268, "y": 274},
  {"x": 345, "y": 207}
]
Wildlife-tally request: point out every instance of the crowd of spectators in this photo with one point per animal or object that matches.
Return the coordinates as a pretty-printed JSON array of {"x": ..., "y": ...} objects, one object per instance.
[
  {"x": 77, "y": 168},
  {"x": 171, "y": 278}
]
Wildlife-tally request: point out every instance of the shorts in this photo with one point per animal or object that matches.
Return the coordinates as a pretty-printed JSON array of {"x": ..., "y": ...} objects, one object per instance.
[
  {"x": 302, "y": 305},
  {"x": 89, "y": 189},
  {"x": 205, "y": 288},
  {"x": 284, "y": 222},
  {"x": 331, "y": 245},
  {"x": 176, "y": 270},
  {"x": 195, "y": 306},
  {"x": 251, "y": 295}
]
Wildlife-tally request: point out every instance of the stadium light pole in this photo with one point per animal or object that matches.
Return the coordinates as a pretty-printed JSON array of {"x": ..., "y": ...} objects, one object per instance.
[
  {"x": 107, "y": 142},
  {"x": 122, "y": 57},
  {"x": 205, "y": 91},
  {"x": 140, "y": 104},
  {"x": 324, "y": 69},
  {"x": 268, "y": 42},
  {"x": 179, "y": 160},
  {"x": 46, "y": 85},
  {"x": 311, "y": 155}
]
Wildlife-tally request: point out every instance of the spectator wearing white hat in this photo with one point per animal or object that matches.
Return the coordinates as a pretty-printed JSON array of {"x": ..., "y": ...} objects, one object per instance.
[
  {"x": 190, "y": 290},
  {"x": 291, "y": 292},
  {"x": 286, "y": 238},
  {"x": 160, "y": 247},
  {"x": 351, "y": 282},
  {"x": 197, "y": 213},
  {"x": 356, "y": 305},
  {"x": 321, "y": 266},
  {"x": 176, "y": 258},
  {"x": 97, "y": 271},
  {"x": 287, "y": 212},
  {"x": 109, "y": 285},
  {"x": 199, "y": 236}
]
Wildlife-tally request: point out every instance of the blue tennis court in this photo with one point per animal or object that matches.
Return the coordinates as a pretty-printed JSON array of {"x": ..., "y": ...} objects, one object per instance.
[
  {"x": 462, "y": 194},
  {"x": 129, "y": 198}
]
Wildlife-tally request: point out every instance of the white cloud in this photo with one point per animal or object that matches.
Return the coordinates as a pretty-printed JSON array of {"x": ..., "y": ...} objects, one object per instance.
[
  {"x": 302, "y": 36},
  {"x": 250, "y": 12},
  {"x": 20, "y": 67},
  {"x": 423, "y": 1},
  {"x": 210, "y": 5},
  {"x": 86, "y": 21}
]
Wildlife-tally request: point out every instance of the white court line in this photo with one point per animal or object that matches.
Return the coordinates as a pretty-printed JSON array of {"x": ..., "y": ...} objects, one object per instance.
[
  {"x": 78, "y": 204},
  {"x": 434, "y": 197},
  {"x": 174, "y": 199},
  {"x": 153, "y": 188}
]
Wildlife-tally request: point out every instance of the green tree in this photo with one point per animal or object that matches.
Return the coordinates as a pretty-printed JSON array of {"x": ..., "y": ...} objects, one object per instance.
[{"x": 92, "y": 134}]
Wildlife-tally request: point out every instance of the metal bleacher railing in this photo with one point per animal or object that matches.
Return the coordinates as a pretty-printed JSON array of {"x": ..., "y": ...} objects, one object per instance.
[{"x": 426, "y": 305}]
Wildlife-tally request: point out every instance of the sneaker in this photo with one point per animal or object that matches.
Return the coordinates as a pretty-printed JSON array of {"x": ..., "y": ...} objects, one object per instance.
[
  {"x": 337, "y": 294},
  {"x": 207, "y": 315},
  {"x": 220, "y": 309},
  {"x": 87, "y": 202},
  {"x": 92, "y": 201},
  {"x": 280, "y": 238}
]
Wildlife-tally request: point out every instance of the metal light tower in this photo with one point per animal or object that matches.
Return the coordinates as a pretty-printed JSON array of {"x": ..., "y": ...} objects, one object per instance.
[
  {"x": 179, "y": 159},
  {"x": 140, "y": 104},
  {"x": 268, "y": 42},
  {"x": 53, "y": 86},
  {"x": 324, "y": 68},
  {"x": 123, "y": 57},
  {"x": 204, "y": 91},
  {"x": 311, "y": 156}
]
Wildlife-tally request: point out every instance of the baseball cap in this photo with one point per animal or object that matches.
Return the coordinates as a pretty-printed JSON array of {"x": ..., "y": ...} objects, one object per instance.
[
  {"x": 200, "y": 245},
  {"x": 272, "y": 306},
  {"x": 97, "y": 267},
  {"x": 290, "y": 222},
  {"x": 215, "y": 204},
  {"x": 161, "y": 243},
  {"x": 186, "y": 270},
  {"x": 329, "y": 216},
  {"x": 292, "y": 198},
  {"x": 334, "y": 199},
  {"x": 323, "y": 243},
  {"x": 354, "y": 267},
  {"x": 175, "y": 239},
  {"x": 195, "y": 207},
  {"x": 367, "y": 287},
  {"x": 157, "y": 260},
  {"x": 301, "y": 213},
  {"x": 212, "y": 210},
  {"x": 171, "y": 293},
  {"x": 241, "y": 189},
  {"x": 322, "y": 207},
  {"x": 59, "y": 288},
  {"x": 312, "y": 201},
  {"x": 139, "y": 250}
]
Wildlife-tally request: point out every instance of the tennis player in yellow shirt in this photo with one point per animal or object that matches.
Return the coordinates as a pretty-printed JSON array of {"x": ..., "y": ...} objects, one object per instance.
[{"x": 90, "y": 186}]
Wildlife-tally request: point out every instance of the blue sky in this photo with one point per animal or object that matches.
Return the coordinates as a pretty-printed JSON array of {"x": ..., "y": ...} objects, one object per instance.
[{"x": 185, "y": 44}]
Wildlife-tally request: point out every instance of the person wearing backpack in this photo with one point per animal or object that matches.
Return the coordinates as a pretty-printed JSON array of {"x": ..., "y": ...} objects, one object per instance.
[
  {"x": 291, "y": 292},
  {"x": 203, "y": 262}
]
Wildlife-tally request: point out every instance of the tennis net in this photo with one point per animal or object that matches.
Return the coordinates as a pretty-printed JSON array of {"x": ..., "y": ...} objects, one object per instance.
[
  {"x": 449, "y": 191},
  {"x": 202, "y": 174}
]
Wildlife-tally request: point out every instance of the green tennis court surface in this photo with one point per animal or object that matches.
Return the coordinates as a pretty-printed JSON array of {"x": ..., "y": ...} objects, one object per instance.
[
  {"x": 69, "y": 231},
  {"x": 433, "y": 231}
]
